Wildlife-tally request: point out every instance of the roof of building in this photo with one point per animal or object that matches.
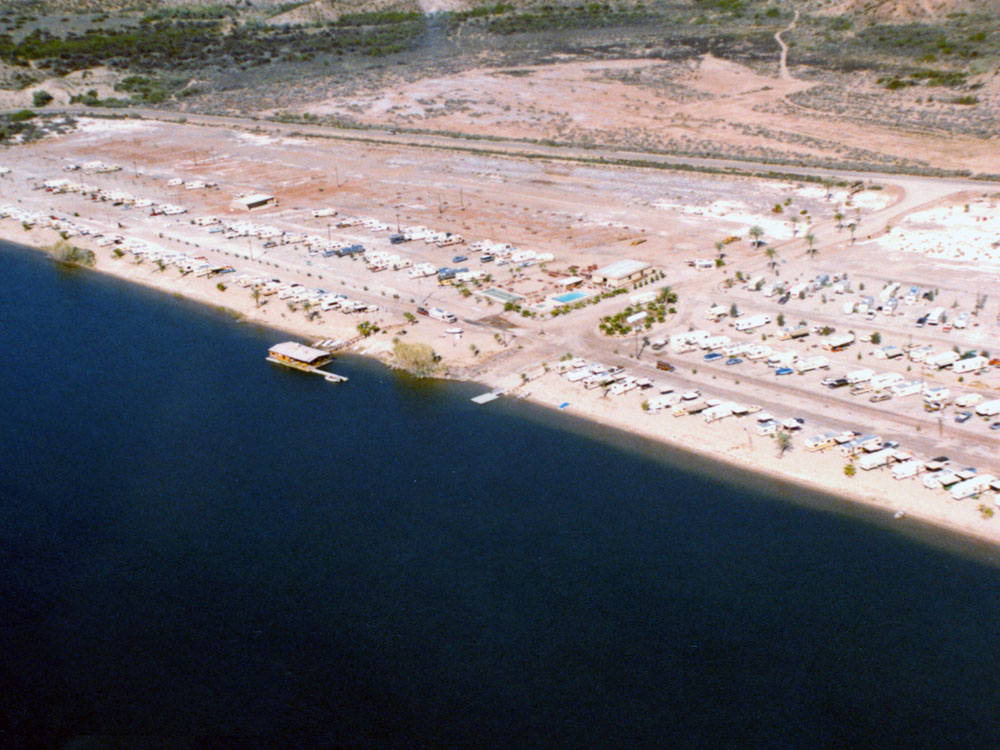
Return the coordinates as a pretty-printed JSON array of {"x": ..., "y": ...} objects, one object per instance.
[
  {"x": 622, "y": 268},
  {"x": 569, "y": 281},
  {"x": 297, "y": 351},
  {"x": 254, "y": 198}
]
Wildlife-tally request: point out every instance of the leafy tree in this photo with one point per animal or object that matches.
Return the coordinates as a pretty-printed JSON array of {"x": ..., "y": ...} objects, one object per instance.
[
  {"x": 784, "y": 441},
  {"x": 40, "y": 98},
  {"x": 811, "y": 239}
]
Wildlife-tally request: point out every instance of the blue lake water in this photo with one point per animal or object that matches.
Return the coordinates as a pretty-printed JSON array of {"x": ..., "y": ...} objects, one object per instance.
[{"x": 195, "y": 542}]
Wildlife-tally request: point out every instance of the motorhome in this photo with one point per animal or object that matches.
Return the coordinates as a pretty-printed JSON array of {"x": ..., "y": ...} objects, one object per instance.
[
  {"x": 907, "y": 469},
  {"x": 715, "y": 413},
  {"x": 935, "y": 316},
  {"x": 888, "y": 292},
  {"x": 859, "y": 376},
  {"x": 811, "y": 363},
  {"x": 936, "y": 394},
  {"x": 969, "y": 364},
  {"x": 907, "y": 388},
  {"x": 942, "y": 360},
  {"x": 989, "y": 408},
  {"x": 755, "y": 321},
  {"x": 758, "y": 351},
  {"x": 443, "y": 315},
  {"x": 782, "y": 359},
  {"x": 821, "y": 442},
  {"x": 970, "y": 487},
  {"x": 885, "y": 380},
  {"x": 755, "y": 284},
  {"x": 874, "y": 460},
  {"x": 715, "y": 342},
  {"x": 969, "y": 399}
]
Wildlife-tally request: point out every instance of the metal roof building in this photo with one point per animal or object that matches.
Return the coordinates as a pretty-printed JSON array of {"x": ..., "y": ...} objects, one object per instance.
[{"x": 622, "y": 273}]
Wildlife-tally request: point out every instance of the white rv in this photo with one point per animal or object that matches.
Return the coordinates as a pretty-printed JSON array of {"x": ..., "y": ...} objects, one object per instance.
[
  {"x": 875, "y": 460},
  {"x": 942, "y": 360},
  {"x": 443, "y": 315},
  {"x": 968, "y": 488},
  {"x": 989, "y": 408},
  {"x": 970, "y": 364},
  {"x": 755, "y": 321},
  {"x": 885, "y": 380},
  {"x": 859, "y": 376},
  {"x": 907, "y": 388},
  {"x": 906, "y": 469}
]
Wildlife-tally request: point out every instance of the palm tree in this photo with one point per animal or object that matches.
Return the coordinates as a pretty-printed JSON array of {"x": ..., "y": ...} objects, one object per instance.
[
  {"x": 811, "y": 239},
  {"x": 756, "y": 232},
  {"x": 256, "y": 295},
  {"x": 853, "y": 228},
  {"x": 828, "y": 184},
  {"x": 718, "y": 249},
  {"x": 840, "y": 219},
  {"x": 795, "y": 224},
  {"x": 784, "y": 441},
  {"x": 770, "y": 252}
]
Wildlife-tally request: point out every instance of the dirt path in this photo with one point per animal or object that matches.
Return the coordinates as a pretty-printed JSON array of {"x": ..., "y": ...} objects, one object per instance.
[{"x": 785, "y": 75}]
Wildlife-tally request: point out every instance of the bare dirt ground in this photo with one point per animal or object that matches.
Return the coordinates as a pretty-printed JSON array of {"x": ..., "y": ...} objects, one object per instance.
[
  {"x": 584, "y": 215},
  {"x": 707, "y": 106}
]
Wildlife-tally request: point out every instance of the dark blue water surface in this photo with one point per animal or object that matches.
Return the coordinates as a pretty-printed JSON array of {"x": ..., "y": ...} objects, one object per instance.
[{"x": 195, "y": 542}]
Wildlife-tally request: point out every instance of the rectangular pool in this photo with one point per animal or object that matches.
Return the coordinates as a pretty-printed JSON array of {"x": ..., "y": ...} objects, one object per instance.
[{"x": 565, "y": 299}]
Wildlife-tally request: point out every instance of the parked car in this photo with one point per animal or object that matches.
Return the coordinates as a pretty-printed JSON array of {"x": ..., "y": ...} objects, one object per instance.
[
  {"x": 712, "y": 356},
  {"x": 422, "y": 311},
  {"x": 837, "y": 383},
  {"x": 784, "y": 371},
  {"x": 921, "y": 321},
  {"x": 784, "y": 298},
  {"x": 995, "y": 426},
  {"x": 459, "y": 259},
  {"x": 963, "y": 416},
  {"x": 733, "y": 361},
  {"x": 884, "y": 396}
]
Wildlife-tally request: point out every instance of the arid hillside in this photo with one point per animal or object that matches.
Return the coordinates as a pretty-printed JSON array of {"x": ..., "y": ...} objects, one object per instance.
[{"x": 908, "y": 85}]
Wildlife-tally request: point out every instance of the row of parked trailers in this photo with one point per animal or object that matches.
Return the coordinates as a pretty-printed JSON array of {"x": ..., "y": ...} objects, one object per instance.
[{"x": 870, "y": 452}]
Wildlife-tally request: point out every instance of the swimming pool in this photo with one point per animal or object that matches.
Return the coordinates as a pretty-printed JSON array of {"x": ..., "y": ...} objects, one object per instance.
[{"x": 565, "y": 299}]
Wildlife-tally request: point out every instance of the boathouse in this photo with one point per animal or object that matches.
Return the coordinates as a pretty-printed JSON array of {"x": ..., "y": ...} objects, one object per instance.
[{"x": 300, "y": 356}]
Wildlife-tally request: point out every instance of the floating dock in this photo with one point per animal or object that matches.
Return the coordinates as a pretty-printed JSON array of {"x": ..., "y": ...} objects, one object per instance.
[
  {"x": 304, "y": 358},
  {"x": 485, "y": 398}
]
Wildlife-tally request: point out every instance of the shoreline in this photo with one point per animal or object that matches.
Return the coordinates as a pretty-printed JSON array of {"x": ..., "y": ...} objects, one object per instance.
[{"x": 710, "y": 443}]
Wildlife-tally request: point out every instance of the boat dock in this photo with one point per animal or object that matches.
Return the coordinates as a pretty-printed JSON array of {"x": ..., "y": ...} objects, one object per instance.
[{"x": 304, "y": 358}]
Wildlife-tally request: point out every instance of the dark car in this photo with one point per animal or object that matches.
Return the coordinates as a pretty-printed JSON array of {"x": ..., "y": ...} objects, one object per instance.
[
  {"x": 837, "y": 383},
  {"x": 784, "y": 371},
  {"x": 712, "y": 356},
  {"x": 459, "y": 259},
  {"x": 995, "y": 426},
  {"x": 921, "y": 321},
  {"x": 963, "y": 416},
  {"x": 733, "y": 361},
  {"x": 784, "y": 298},
  {"x": 422, "y": 311}
]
